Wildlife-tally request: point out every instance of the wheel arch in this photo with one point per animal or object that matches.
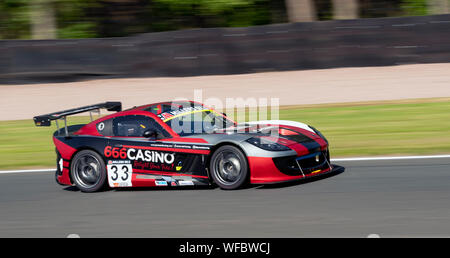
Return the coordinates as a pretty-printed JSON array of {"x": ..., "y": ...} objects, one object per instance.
[
  {"x": 217, "y": 146},
  {"x": 79, "y": 150}
]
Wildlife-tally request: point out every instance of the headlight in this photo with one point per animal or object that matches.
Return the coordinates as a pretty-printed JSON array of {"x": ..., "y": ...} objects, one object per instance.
[
  {"x": 318, "y": 133},
  {"x": 267, "y": 144}
]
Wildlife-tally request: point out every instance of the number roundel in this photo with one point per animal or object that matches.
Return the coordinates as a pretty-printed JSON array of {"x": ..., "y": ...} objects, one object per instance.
[{"x": 120, "y": 175}]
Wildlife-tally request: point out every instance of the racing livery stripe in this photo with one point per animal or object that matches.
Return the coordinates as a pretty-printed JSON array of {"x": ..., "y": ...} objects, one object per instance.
[
  {"x": 299, "y": 148},
  {"x": 181, "y": 114},
  {"x": 180, "y": 145},
  {"x": 315, "y": 143},
  {"x": 64, "y": 178},
  {"x": 145, "y": 172},
  {"x": 194, "y": 151},
  {"x": 312, "y": 146},
  {"x": 186, "y": 140},
  {"x": 65, "y": 150}
]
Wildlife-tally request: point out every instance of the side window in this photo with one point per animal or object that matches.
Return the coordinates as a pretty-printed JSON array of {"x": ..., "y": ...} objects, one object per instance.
[{"x": 135, "y": 126}]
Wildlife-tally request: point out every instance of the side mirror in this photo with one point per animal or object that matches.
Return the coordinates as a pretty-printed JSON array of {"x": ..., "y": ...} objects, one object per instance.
[{"x": 150, "y": 133}]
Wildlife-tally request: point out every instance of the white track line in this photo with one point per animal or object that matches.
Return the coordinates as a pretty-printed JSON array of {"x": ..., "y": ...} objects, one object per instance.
[
  {"x": 338, "y": 159},
  {"x": 27, "y": 171}
]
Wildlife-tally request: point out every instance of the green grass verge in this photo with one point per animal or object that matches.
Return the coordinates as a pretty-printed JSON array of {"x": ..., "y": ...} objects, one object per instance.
[
  {"x": 384, "y": 129},
  {"x": 23, "y": 145},
  {"x": 353, "y": 130}
]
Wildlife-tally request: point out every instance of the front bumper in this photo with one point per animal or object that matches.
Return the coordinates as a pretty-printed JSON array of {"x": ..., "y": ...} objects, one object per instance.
[
  {"x": 266, "y": 170},
  {"x": 335, "y": 170}
]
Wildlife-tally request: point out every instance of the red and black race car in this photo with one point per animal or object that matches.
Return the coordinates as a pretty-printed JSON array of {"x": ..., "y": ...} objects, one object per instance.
[{"x": 181, "y": 144}]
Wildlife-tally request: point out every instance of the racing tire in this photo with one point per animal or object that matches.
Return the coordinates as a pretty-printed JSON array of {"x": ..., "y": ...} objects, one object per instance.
[
  {"x": 88, "y": 171},
  {"x": 229, "y": 167}
]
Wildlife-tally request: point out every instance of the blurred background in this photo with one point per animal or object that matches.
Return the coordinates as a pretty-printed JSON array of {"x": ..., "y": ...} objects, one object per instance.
[
  {"x": 66, "y": 19},
  {"x": 75, "y": 39}
]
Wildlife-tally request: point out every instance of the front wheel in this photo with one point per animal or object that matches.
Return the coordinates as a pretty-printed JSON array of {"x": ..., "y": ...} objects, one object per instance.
[
  {"x": 88, "y": 171},
  {"x": 229, "y": 168}
]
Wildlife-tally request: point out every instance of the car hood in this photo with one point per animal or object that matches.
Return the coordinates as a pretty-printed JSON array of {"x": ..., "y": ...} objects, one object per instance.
[
  {"x": 282, "y": 123},
  {"x": 295, "y": 135}
]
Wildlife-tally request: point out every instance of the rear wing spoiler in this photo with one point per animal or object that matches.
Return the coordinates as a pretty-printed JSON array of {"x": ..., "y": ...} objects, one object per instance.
[{"x": 45, "y": 120}]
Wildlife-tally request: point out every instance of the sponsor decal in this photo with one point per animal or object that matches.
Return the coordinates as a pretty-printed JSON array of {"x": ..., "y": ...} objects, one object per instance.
[
  {"x": 179, "y": 166},
  {"x": 101, "y": 126},
  {"x": 139, "y": 155},
  {"x": 200, "y": 147},
  {"x": 150, "y": 156},
  {"x": 161, "y": 145},
  {"x": 182, "y": 146},
  {"x": 170, "y": 114},
  {"x": 152, "y": 166},
  {"x": 165, "y": 116},
  {"x": 184, "y": 183},
  {"x": 160, "y": 183},
  {"x": 178, "y": 146}
]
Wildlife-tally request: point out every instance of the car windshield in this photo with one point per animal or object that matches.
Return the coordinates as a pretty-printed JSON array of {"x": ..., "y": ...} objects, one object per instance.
[{"x": 198, "y": 122}]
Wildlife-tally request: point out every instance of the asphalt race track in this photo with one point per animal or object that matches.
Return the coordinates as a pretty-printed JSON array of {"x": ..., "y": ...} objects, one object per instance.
[{"x": 403, "y": 198}]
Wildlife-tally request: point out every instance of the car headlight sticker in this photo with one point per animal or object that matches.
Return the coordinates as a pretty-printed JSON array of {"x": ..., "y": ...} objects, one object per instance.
[{"x": 266, "y": 144}]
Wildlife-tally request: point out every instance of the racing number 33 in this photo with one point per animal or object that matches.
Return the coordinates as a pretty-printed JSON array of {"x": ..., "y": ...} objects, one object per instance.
[{"x": 119, "y": 175}]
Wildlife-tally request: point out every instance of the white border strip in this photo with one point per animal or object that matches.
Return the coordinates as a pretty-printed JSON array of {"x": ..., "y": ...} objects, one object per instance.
[
  {"x": 338, "y": 159},
  {"x": 392, "y": 158}
]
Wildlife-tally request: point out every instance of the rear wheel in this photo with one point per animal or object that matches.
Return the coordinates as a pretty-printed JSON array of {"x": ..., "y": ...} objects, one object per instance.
[
  {"x": 88, "y": 171},
  {"x": 229, "y": 167}
]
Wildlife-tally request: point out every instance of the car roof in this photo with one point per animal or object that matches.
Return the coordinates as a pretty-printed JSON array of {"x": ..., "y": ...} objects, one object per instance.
[{"x": 167, "y": 106}]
